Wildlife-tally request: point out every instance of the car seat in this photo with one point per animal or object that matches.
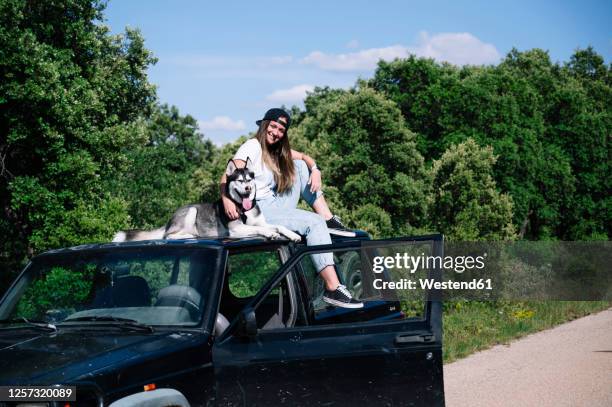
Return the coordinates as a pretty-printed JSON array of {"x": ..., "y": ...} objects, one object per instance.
[
  {"x": 187, "y": 297},
  {"x": 177, "y": 295}
]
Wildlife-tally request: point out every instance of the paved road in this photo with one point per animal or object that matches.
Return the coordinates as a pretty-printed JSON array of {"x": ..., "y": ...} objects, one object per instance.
[{"x": 570, "y": 365}]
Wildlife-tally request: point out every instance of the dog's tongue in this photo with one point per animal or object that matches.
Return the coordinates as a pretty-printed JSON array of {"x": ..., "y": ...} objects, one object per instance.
[{"x": 247, "y": 204}]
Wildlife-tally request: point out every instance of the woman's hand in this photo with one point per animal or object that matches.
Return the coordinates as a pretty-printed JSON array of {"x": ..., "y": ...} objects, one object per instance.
[
  {"x": 315, "y": 180},
  {"x": 231, "y": 210}
]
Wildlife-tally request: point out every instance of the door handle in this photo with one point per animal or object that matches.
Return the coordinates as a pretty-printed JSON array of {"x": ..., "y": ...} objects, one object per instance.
[{"x": 409, "y": 338}]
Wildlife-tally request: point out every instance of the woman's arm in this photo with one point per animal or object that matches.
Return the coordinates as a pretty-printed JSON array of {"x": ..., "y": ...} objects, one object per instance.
[
  {"x": 315, "y": 173},
  {"x": 230, "y": 207},
  {"x": 310, "y": 162}
]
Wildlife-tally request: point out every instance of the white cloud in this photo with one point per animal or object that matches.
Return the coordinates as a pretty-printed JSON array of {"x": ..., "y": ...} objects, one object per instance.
[
  {"x": 456, "y": 48},
  {"x": 222, "y": 123},
  {"x": 355, "y": 61},
  {"x": 291, "y": 95}
]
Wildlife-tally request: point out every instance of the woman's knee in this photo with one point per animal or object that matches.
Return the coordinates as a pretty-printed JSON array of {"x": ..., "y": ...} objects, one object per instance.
[
  {"x": 301, "y": 170},
  {"x": 303, "y": 174},
  {"x": 300, "y": 165},
  {"x": 316, "y": 223},
  {"x": 311, "y": 217}
]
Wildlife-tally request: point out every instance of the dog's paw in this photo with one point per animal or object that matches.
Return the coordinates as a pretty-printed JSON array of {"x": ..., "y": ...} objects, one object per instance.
[
  {"x": 271, "y": 234},
  {"x": 294, "y": 237}
]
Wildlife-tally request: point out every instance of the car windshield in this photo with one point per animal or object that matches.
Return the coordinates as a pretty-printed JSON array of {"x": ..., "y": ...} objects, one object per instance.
[{"x": 150, "y": 285}]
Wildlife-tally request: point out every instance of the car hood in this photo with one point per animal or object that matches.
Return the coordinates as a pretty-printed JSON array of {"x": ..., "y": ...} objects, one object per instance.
[{"x": 28, "y": 356}]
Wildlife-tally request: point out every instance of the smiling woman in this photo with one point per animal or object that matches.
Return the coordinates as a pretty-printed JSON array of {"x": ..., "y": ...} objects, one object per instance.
[{"x": 282, "y": 177}]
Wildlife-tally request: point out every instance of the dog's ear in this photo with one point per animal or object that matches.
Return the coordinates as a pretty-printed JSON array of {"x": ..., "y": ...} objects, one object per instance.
[
  {"x": 249, "y": 164},
  {"x": 231, "y": 167}
]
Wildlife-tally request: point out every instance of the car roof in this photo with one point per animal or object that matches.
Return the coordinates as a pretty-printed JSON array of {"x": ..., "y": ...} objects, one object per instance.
[{"x": 212, "y": 242}]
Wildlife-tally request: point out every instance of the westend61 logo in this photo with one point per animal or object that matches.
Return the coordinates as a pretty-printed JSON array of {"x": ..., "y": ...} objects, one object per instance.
[{"x": 412, "y": 264}]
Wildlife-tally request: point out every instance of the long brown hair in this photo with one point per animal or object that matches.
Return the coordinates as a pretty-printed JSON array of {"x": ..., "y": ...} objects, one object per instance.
[{"x": 277, "y": 157}]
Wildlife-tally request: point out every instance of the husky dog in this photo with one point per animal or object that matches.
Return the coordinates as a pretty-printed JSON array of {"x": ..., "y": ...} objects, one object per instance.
[{"x": 208, "y": 219}]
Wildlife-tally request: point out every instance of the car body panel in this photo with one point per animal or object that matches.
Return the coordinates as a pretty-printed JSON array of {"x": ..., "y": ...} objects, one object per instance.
[{"x": 373, "y": 363}]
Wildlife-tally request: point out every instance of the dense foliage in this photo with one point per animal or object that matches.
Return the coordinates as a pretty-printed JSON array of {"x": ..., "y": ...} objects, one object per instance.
[
  {"x": 159, "y": 173},
  {"x": 520, "y": 149},
  {"x": 465, "y": 205},
  {"x": 368, "y": 154},
  {"x": 72, "y": 101},
  {"x": 549, "y": 126}
]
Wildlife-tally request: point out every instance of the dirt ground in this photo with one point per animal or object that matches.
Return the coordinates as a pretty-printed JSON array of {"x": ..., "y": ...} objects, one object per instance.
[{"x": 570, "y": 365}]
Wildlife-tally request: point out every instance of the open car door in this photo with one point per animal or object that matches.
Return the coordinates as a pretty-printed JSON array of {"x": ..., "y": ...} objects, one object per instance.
[{"x": 297, "y": 354}]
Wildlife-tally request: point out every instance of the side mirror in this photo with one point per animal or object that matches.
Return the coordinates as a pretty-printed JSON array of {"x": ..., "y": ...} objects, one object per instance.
[{"x": 248, "y": 323}]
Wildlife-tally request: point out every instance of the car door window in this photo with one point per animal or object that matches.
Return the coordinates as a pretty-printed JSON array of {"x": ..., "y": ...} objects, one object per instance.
[
  {"x": 354, "y": 268},
  {"x": 348, "y": 268},
  {"x": 362, "y": 269},
  {"x": 248, "y": 271}
]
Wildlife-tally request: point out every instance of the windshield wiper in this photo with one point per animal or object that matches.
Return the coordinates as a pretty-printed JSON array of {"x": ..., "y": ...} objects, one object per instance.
[
  {"x": 43, "y": 325},
  {"x": 117, "y": 321}
]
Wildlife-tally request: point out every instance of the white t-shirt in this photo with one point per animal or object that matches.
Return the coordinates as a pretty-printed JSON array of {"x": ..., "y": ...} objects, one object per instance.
[{"x": 264, "y": 178}]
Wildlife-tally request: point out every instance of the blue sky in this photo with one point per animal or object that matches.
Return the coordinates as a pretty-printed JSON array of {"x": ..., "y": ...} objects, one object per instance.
[{"x": 226, "y": 63}]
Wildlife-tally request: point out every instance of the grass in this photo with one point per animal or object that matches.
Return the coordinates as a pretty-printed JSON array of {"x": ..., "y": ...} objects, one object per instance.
[{"x": 474, "y": 326}]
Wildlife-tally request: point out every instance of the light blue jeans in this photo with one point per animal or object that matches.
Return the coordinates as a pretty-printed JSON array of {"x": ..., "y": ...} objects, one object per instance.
[{"x": 282, "y": 210}]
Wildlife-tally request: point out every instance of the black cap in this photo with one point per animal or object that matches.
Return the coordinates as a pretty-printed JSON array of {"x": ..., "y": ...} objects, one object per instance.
[{"x": 275, "y": 114}]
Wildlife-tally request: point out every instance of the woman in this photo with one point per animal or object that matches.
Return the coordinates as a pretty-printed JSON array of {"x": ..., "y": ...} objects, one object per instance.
[{"x": 282, "y": 177}]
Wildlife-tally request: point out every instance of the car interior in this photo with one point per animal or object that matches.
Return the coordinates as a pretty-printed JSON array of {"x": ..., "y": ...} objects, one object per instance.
[
  {"x": 279, "y": 309},
  {"x": 137, "y": 287}
]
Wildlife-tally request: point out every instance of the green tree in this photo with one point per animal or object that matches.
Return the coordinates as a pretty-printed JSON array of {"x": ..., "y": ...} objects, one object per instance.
[
  {"x": 72, "y": 100},
  {"x": 156, "y": 182},
  {"x": 580, "y": 124},
  {"x": 549, "y": 126},
  {"x": 367, "y": 153},
  {"x": 465, "y": 203},
  {"x": 419, "y": 87},
  {"x": 586, "y": 63}
]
